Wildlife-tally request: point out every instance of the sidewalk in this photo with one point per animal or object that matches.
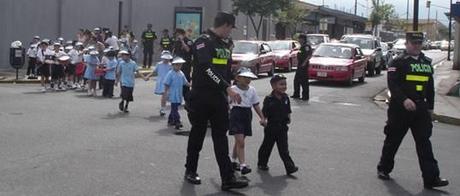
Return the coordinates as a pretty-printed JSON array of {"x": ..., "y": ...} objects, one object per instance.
[
  {"x": 446, "y": 108},
  {"x": 9, "y": 76}
]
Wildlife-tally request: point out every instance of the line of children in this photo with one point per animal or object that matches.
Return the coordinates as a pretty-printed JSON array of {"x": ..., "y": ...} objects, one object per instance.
[
  {"x": 161, "y": 69},
  {"x": 241, "y": 116},
  {"x": 174, "y": 82}
]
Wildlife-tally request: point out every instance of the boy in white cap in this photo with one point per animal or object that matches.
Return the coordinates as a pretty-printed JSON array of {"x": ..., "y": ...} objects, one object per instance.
[
  {"x": 241, "y": 116},
  {"x": 174, "y": 83},
  {"x": 44, "y": 60},
  {"x": 161, "y": 69},
  {"x": 126, "y": 72},
  {"x": 110, "y": 63},
  {"x": 57, "y": 70},
  {"x": 77, "y": 58}
]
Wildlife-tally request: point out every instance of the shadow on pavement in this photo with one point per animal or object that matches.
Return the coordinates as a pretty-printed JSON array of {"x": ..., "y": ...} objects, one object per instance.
[
  {"x": 187, "y": 189},
  {"x": 155, "y": 118},
  {"x": 111, "y": 116},
  {"x": 273, "y": 185},
  {"x": 332, "y": 84}
]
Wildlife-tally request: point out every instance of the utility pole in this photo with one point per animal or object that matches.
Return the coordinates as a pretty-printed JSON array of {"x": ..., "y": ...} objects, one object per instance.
[
  {"x": 450, "y": 31},
  {"x": 429, "y": 8},
  {"x": 415, "y": 21},
  {"x": 407, "y": 13},
  {"x": 356, "y": 6}
]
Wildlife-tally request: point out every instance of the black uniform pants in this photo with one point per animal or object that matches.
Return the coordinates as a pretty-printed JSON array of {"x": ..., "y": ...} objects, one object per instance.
[
  {"x": 301, "y": 80},
  {"x": 31, "y": 66},
  {"x": 399, "y": 121},
  {"x": 206, "y": 107},
  {"x": 275, "y": 134},
  {"x": 148, "y": 55}
]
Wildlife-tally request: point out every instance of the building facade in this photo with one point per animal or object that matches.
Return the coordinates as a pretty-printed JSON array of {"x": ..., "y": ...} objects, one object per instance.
[{"x": 22, "y": 19}]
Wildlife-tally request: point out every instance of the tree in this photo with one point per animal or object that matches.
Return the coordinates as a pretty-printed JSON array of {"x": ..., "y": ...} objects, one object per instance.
[
  {"x": 381, "y": 12},
  {"x": 261, "y": 8},
  {"x": 291, "y": 16}
]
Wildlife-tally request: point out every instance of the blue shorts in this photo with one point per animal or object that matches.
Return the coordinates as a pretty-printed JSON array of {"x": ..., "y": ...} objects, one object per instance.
[{"x": 240, "y": 121}]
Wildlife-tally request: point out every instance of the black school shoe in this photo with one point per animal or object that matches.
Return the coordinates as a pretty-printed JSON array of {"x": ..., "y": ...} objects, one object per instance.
[
  {"x": 438, "y": 182},
  {"x": 233, "y": 183},
  {"x": 383, "y": 175},
  {"x": 292, "y": 170},
  {"x": 245, "y": 170},
  {"x": 192, "y": 178}
]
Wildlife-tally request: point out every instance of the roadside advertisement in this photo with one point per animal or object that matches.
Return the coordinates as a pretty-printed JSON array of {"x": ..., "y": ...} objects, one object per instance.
[{"x": 189, "y": 19}]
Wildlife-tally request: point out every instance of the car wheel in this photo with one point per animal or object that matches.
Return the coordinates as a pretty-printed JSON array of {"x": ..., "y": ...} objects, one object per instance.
[
  {"x": 371, "y": 69},
  {"x": 272, "y": 70}
]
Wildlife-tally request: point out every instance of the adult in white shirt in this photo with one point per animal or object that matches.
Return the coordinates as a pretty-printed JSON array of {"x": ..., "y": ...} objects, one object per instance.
[{"x": 112, "y": 41}]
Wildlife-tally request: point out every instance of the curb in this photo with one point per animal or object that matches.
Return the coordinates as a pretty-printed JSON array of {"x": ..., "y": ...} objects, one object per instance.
[
  {"x": 35, "y": 81},
  {"x": 381, "y": 100}
]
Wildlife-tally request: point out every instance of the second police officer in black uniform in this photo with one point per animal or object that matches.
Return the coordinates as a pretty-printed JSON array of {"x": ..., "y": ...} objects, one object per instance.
[
  {"x": 208, "y": 100},
  {"x": 410, "y": 80},
  {"x": 148, "y": 37},
  {"x": 166, "y": 41},
  {"x": 301, "y": 74}
]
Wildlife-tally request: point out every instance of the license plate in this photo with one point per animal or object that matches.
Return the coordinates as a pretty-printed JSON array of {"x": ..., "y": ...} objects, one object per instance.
[{"x": 321, "y": 74}]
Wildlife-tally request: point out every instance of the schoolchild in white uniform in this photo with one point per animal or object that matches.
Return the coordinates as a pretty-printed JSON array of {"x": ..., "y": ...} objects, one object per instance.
[
  {"x": 44, "y": 60},
  {"x": 241, "y": 116}
]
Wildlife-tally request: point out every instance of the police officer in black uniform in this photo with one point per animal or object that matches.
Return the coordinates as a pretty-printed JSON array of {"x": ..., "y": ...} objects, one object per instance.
[
  {"x": 208, "y": 100},
  {"x": 410, "y": 80},
  {"x": 301, "y": 74},
  {"x": 182, "y": 46},
  {"x": 166, "y": 41},
  {"x": 148, "y": 37}
]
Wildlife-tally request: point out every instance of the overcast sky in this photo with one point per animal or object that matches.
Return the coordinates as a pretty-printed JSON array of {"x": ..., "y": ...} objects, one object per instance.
[{"x": 400, "y": 5}]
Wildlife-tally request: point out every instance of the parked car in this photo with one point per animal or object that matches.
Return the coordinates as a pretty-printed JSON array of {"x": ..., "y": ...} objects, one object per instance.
[
  {"x": 316, "y": 39},
  {"x": 399, "y": 46},
  {"x": 371, "y": 48},
  {"x": 338, "y": 62},
  {"x": 256, "y": 55},
  {"x": 387, "y": 55},
  {"x": 435, "y": 45},
  {"x": 285, "y": 53},
  {"x": 445, "y": 45}
]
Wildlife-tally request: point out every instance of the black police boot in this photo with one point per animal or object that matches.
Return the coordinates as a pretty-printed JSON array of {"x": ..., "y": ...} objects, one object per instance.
[
  {"x": 438, "y": 182},
  {"x": 233, "y": 183},
  {"x": 292, "y": 170},
  {"x": 236, "y": 166},
  {"x": 383, "y": 175},
  {"x": 295, "y": 96},
  {"x": 263, "y": 167},
  {"x": 192, "y": 178}
]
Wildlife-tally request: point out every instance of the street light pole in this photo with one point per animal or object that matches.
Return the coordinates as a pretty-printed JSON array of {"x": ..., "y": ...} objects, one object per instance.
[
  {"x": 415, "y": 23},
  {"x": 450, "y": 31},
  {"x": 407, "y": 12}
]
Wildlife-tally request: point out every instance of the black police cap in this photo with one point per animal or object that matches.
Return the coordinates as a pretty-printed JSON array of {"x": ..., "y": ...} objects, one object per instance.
[
  {"x": 414, "y": 36},
  {"x": 225, "y": 18}
]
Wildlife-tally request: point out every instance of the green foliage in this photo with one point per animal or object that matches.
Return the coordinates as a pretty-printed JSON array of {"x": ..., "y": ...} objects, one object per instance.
[
  {"x": 261, "y": 8},
  {"x": 382, "y": 12}
]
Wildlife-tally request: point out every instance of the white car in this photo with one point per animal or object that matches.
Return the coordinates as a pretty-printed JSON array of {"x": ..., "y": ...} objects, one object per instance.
[{"x": 445, "y": 45}]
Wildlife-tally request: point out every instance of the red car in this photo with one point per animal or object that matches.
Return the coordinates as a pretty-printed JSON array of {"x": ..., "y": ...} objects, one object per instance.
[
  {"x": 338, "y": 62},
  {"x": 256, "y": 55},
  {"x": 285, "y": 53}
]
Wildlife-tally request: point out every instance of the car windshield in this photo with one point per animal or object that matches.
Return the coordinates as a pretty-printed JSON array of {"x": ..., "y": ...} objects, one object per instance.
[
  {"x": 400, "y": 42},
  {"x": 341, "y": 52},
  {"x": 315, "y": 39},
  {"x": 363, "y": 43},
  {"x": 280, "y": 45},
  {"x": 245, "y": 48}
]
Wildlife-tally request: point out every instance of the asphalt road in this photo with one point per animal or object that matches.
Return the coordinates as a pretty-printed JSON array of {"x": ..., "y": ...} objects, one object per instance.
[{"x": 69, "y": 144}]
